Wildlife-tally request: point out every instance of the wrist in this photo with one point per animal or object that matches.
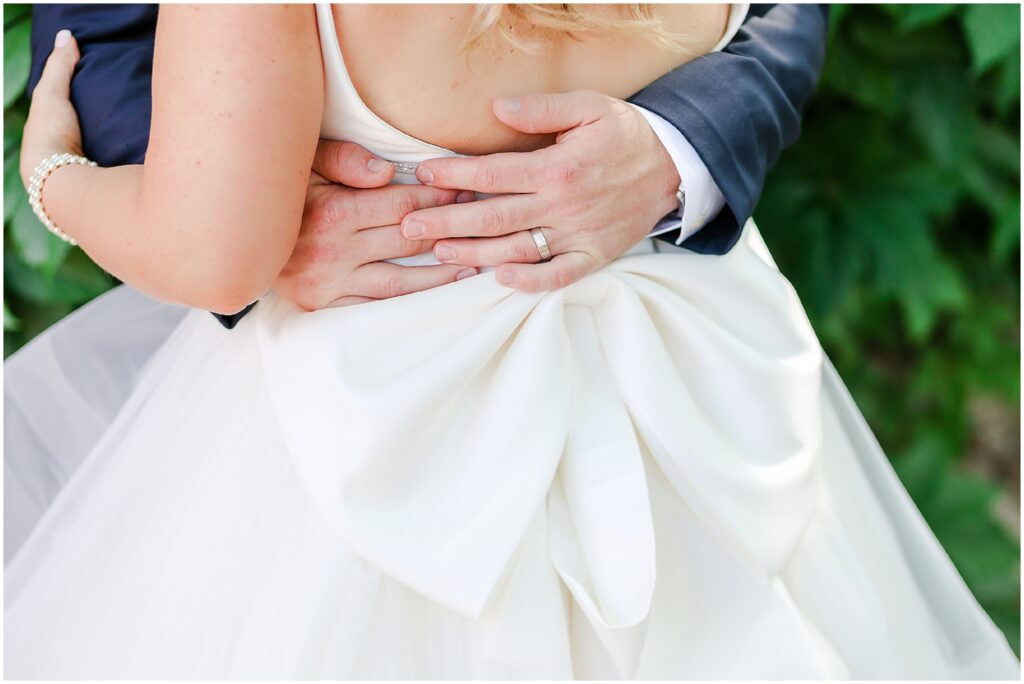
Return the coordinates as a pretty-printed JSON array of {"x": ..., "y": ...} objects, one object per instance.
[
  {"x": 38, "y": 180},
  {"x": 664, "y": 179},
  {"x": 669, "y": 182},
  {"x": 32, "y": 157}
]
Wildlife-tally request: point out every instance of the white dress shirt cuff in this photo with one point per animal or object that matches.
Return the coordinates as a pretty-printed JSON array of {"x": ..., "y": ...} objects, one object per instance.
[{"x": 703, "y": 199}]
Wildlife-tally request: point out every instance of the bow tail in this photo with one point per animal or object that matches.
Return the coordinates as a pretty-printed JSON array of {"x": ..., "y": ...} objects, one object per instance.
[{"x": 600, "y": 527}]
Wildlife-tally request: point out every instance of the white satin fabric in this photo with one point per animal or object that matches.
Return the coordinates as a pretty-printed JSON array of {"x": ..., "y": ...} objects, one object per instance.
[
  {"x": 642, "y": 475},
  {"x": 652, "y": 473}
]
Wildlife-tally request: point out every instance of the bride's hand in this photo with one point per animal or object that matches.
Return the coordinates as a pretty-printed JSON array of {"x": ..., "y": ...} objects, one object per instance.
[
  {"x": 52, "y": 124},
  {"x": 596, "y": 192}
]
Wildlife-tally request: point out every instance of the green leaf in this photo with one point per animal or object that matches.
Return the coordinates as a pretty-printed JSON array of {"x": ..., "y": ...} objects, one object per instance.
[
  {"x": 916, "y": 16},
  {"x": 14, "y": 124},
  {"x": 14, "y": 191},
  {"x": 14, "y": 13},
  {"x": 921, "y": 468},
  {"x": 36, "y": 245},
  {"x": 894, "y": 212},
  {"x": 993, "y": 32},
  {"x": 1006, "y": 232},
  {"x": 865, "y": 81},
  {"x": 1000, "y": 149},
  {"x": 939, "y": 114},
  {"x": 30, "y": 236},
  {"x": 17, "y": 60},
  {"x": 835, "y": 17},
  {"x": 77, "y": 281},
  {"x": 958, "y": 507},
  {"x": 1008, "y": 85},
  {"x": 11, "y": 321}
]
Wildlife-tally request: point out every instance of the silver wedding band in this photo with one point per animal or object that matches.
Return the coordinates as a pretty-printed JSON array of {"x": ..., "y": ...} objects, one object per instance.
[{"x": 541, "y": 242}]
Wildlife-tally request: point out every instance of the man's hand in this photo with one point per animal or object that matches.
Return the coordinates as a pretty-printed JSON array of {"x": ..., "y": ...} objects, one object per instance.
[
  {"x": 596, "y": 192},
  {"x": 347, "y": 233}
]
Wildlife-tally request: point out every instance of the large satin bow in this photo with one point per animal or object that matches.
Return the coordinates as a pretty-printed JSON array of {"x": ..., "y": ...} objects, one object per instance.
[{"x": 430, "y": 428}]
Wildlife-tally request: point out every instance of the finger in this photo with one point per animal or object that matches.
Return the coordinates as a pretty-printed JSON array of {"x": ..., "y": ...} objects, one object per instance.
[
  {"x": 381, "y": 280},
  {"x": 55, "y": 81},
  {"x": 551, "y": 112},
  {"x": 387, "y": 242},
  {"x": 563, "y": 270},
  {"x": 483, "y": 218},
  {"x": 493, "y": 174},
  {"x": 350, "y": 164},
  {"x": 517, "y": 248},
  {"x": 373, "y": 207}
]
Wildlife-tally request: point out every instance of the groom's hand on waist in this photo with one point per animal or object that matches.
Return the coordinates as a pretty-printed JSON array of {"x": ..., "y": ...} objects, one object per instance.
[
  {"x": 596, "y": 192},
  {"x": 350, "y": 225}
]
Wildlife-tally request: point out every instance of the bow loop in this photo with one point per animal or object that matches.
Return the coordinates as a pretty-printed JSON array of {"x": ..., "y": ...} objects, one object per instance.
[{"x": 431, "y": 429}]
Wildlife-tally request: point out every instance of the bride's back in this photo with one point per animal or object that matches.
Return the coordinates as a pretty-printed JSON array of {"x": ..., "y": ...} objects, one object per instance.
[{"x": 411, "y": 67}]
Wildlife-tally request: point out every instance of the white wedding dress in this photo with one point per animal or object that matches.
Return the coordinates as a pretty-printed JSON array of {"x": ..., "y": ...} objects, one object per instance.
[{"x": 652, "y": 473}]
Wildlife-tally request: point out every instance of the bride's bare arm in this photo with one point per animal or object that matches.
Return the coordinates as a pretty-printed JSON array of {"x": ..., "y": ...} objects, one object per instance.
[{"x": 211, "y": 217}]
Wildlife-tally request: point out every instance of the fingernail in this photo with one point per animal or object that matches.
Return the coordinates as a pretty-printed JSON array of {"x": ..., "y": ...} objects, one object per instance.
[
  {"x": 465, "y": 273},
  {"x": 444, "y": 253},
  {"x": 465, "y": 196},
  {"x": 377, "y": 165},
  {"x": 62, "y": 38},
  {"x": 424, "y": 175},
  {"x": 506, "y": 277},
  {"x": 413, "y": 228},
  {"x": 511, "y": 104}
]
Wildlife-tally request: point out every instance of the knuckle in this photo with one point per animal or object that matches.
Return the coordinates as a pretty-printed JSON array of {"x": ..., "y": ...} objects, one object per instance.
[
  {"x": 390, "y": 286},
  {"x": 332, "y": 155},
  {"x": 521, "y": 253},
  {"x": 484, "y": 178},
  {"x": 404, "y": 203},
  {"x": 348, "y": 152},
  {"x": 491, "y": 221},
  {"x": 565, "y": 173},
  {"x": 343, "y": 155},
  {"x": 563, "y": 277},
  {"x": 321, "y": 215}
]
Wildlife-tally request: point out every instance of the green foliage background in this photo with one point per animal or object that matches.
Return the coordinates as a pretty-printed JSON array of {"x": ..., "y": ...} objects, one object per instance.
[{"x": 896, "y": 216}]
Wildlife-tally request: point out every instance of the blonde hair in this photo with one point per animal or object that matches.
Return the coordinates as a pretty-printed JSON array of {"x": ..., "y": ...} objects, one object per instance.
[{"x": 574, "y": 20}]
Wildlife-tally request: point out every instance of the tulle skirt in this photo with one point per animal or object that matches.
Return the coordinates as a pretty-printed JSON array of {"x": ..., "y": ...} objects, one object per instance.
[{"x": 654, "y": 473}]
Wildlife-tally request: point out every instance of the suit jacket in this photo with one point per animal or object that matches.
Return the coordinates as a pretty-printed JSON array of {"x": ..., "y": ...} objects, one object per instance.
[{"x": 738, "y": 108}]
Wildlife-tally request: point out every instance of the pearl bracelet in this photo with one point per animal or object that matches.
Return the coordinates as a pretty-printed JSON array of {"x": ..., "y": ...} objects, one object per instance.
[{"x": 35, "y": 188}]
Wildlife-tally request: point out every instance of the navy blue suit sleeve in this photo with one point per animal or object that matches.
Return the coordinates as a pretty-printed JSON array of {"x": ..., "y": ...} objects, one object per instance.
[
  {"x": 741, "y": 107},
  {"x": 111, "y": 88}
]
